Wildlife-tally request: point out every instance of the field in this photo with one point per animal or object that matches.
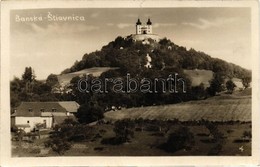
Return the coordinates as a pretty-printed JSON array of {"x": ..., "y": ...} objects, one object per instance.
[
  {"x": 95, "y": 71},
  {"x": 222, "y": 108}
]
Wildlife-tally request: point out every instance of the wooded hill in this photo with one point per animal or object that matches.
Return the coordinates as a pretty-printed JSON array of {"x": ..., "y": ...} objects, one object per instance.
[{"x": 130, "y": 56}]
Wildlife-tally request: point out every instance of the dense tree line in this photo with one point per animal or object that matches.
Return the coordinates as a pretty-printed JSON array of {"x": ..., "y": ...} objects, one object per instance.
[{"x": 29, "y": 89}]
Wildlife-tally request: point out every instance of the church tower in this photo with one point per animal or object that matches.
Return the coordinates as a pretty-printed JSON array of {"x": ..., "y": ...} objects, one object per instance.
[
  {"x": 138, "y": 26},
  {"x": 149, "y": 26}
]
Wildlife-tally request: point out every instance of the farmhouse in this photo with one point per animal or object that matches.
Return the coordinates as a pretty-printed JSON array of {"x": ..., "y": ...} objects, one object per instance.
[{"x": 31, "y": 115}]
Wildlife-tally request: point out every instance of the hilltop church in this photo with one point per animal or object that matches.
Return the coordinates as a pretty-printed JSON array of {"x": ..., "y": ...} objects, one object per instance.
[
  {"x": 144, "y": 29},
  {"x": 144, "y": 32}
]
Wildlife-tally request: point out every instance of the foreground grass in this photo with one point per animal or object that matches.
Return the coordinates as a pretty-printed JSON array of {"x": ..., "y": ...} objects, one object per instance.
[{"x": 144, "y": 143}]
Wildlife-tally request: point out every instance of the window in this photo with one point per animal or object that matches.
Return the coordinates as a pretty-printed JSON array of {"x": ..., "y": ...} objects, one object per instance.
[
  {"x": 54, "y": 109},
  {"x": 28, "y": 121},
  {"x": 42, "y": 109},
  {"x": 30, "y": 109}
]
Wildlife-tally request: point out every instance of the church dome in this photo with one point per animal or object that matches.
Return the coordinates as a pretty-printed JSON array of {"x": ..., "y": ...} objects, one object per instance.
[
  {"x": 138, "y": 22},
  {"x": 149, "y": 22}
]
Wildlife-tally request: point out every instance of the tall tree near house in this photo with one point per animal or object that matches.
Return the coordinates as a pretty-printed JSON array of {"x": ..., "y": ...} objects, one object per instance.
[
  {"x": 28, "y": 74},
  {"x": 230, "y": 85},
  {"x": 216, "y": 84},
  {"x": 28, "y": 77}
]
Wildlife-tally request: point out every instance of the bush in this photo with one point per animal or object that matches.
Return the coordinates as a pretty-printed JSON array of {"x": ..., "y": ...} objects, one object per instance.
[
  {"x": 247, "y": 134},
  {"x": 216, "y": 149},
  {"x": 58, "y": 145},
  {"x": 36, "y": 151},
  {"x": 230, "y": 131},
  {"x": 65, "y": 133},
  {"x": 182, "y": 138},
  {"x": 241, "y": 141},
  {"x": 99, "y": 148},
  {"x": 153, "y": 128},
  {"x": 124, "y": 130},
  {"x": 218, "y": 138},
  {"x": 102, "y": 131},
  {"x": 112, "y": 141},
  {"x": 159, "y": 134},
  {"x": 213, "y": 129}
]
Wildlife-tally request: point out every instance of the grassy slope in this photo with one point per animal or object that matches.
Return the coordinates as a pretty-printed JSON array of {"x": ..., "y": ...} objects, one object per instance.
[
  {"x": 199, "y": 76},
  {"x": 222, "y": 108},
  {"x": 95, "y": 71}
]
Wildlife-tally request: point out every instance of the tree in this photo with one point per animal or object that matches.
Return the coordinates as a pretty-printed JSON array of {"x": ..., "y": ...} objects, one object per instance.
[
  {"x": 213, "y": 129},
  {"x": 52, "y": 80},
  {"x": 182, "y": 138},
  {"x": 218, "y": 138},
  {"x": 230, "y": 85},
  {"x": 199, "y": 92},
  {"x": 124, "y": 130},
  {"x": 65, "y": 133},
  {"x": 90, "y": 112},
  {"x": 28, "y": 74},
  {"x": 216, "y": 84},
  {"x": 246, "y": 81}
]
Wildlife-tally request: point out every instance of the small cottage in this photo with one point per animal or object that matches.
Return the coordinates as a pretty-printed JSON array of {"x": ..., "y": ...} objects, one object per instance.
[{"x": 31, "y": 115}]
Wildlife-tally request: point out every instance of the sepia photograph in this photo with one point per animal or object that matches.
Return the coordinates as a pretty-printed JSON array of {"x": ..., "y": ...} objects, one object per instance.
[{"x": 171, "y": 81}]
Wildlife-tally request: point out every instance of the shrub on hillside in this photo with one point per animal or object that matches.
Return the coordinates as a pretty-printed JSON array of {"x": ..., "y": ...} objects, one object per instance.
[
  {"x": 182, "y": 138},
  {"x": 247, "y": 134},
  {"x": 59, "y": 145},
  {"x": 64, "y": 134},
  {"x": 218, "y": 138},
  {"x": 124, "y": 130}
]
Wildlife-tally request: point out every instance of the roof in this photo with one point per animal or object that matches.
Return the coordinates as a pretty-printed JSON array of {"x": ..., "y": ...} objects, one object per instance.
[
  {"x": 69, "y": 106},
  {"x": 138, "y": 22},
  {"x": 38, "y": 109},
  {"x": 149, "y": 22}
]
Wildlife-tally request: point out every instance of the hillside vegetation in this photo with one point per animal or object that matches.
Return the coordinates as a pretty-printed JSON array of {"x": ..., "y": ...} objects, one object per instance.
[
  {"x": 130, "y": 56},
  {"x": 124, "y": 56}
]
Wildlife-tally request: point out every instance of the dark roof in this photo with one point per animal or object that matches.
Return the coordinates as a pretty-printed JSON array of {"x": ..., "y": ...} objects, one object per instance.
[
  {"x": 149, "y": 22},
  {"x": 37, "y": 109},
  {"x": 138, "y": 22}
]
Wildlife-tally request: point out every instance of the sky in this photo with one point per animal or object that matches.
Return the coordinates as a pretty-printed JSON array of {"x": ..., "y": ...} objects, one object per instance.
[{"x": 50, "y": 46}]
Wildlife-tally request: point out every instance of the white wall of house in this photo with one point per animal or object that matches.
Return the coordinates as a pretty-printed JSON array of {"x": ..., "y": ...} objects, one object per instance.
[{"x": 32, "y": 121}]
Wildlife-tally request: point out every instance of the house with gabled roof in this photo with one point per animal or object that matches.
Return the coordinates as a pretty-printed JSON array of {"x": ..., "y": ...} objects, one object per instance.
[{"x": 30, "y": 115}]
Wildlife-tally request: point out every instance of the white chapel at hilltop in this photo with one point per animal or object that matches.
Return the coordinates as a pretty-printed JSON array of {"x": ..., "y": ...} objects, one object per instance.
[
  {"x": 144, "y": 29},
  {"x": 144, "y": 32}
]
